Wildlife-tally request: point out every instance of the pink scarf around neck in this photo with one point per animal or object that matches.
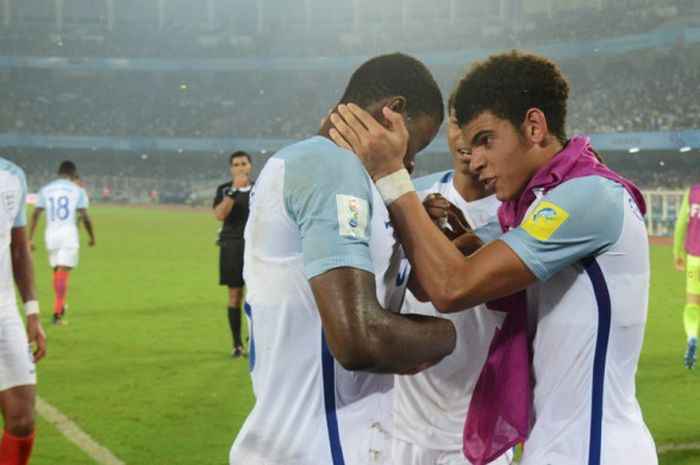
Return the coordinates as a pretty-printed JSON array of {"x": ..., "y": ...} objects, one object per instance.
[{"x": 499, "y": 413}]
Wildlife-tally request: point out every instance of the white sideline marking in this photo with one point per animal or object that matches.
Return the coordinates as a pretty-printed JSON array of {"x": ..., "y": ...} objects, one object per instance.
[
  {"x": 686, "y": 446},
  {"x": 70, "y": 430}
]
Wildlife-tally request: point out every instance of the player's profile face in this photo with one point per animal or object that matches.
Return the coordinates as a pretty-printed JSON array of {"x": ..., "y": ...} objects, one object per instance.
[
  {"x": 239, "y": 166},
  {"x": 456, "y": 144},
  {"x": 498, "y": 155},
  {"x": 421, "y": 131}
]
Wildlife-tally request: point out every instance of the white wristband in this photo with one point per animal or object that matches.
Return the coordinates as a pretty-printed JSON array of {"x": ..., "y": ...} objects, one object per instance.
[
  {"x": 395, "y": 185},
  {"x": 31, "y": 307}
]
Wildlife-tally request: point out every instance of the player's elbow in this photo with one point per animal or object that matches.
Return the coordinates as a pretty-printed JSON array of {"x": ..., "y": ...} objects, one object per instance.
[
  {"x": 448, "y": 299},
  {"x": 219, "y": 215},
  {"x": 354, "y": 352},
  {"x": 353, "y": 357}
]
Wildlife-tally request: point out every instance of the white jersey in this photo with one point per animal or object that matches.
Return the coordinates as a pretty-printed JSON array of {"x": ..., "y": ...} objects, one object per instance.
[
  {"x": 313, "y": 208},
  {"x": 430, "y": 408},
  {"x": 61, "y": 198},
  {"x": 13, "y": 194},
  {"x": 586, "y": 243}
]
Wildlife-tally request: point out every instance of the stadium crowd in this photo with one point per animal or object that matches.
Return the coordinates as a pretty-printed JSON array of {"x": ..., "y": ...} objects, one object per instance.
[
  {"x": 621, "y": 96},
  {"x": 190, "y": 34}
]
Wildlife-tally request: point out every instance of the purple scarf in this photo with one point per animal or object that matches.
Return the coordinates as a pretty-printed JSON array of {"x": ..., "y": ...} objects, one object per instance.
[{"x": 499, "y": 412}]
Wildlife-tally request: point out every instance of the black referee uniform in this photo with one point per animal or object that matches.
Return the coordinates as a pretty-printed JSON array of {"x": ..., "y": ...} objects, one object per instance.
[{"x": 231, "y": 236}]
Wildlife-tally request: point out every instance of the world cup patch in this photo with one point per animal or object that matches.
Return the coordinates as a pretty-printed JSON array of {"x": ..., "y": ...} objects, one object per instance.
[
  {"x": 353, "y": 215},
  {"x": 544, "y": 221}
]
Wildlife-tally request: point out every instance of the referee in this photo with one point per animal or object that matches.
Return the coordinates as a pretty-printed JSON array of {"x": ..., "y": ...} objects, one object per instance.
[{"x": 231, "y": 206}]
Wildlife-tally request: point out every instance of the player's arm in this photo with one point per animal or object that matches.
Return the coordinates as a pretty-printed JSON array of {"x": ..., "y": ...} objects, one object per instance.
[
  {"x": 223, "y": 203},
  {"x": 679, "y": 233},
  {"x": 362, "y": 335},
  {"x": 83, "y": 214},
  {"x": 32, "y": 226},
  {"x": 23, "y": 273}
]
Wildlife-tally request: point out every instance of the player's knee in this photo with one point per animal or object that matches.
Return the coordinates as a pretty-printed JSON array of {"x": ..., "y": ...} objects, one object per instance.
[{"x": 20, "y": 423}]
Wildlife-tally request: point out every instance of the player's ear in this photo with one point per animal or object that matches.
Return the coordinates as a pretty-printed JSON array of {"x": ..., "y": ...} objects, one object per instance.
[
  {"x": 397, "y": 104},
  {"x": 535, "y": 126}
]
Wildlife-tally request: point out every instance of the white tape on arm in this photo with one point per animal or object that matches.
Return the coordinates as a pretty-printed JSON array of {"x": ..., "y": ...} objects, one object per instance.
[
  {"x": 31, "y": 307},
  {"x": 395, "y": 185}
]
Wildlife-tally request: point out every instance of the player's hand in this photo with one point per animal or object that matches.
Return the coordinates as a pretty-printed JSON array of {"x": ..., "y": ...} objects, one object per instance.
[
  {"x": 380, "y": 148},
  {"x": 446, "y": 216},
  {"x": 680, "y": 263},
  {"x": 91, "y": 242},
  {"x": 32, "y": 246},
  {"x": 241, "y": 180},
  {"x": 36, "y": 336}
]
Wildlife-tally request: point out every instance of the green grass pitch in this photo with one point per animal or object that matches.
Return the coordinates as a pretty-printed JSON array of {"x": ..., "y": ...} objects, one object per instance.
[{"x": 143, "y": 365}]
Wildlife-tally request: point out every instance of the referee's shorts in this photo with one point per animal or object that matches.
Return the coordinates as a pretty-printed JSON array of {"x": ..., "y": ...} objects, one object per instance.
[{"x": 231, "y": 263}]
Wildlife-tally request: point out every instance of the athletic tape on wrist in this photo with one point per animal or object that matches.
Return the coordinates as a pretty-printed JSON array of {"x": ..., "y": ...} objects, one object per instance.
[
  {"x": 395, "y": 185},
  {"x": 31, "y": 307}
]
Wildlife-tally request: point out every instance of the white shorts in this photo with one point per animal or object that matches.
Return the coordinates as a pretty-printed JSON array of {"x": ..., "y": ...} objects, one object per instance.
[
  {"x": 16, "y": 359},
  {"x": 66, "y": 256},
  {"x": 405, "y": 453}
]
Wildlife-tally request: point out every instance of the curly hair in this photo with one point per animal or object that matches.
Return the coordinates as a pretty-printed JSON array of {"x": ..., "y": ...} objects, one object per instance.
[
  {"x": 396, "y": 74},
  {"x": 508, "y": 85}
]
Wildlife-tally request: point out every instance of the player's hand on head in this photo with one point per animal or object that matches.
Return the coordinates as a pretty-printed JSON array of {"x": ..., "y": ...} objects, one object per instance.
[
  {"x": 37, "y": 337},
  {"x": 381, "y": 148}
]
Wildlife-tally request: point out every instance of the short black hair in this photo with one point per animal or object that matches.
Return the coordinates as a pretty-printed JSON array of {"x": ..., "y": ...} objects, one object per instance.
[
  {"x": 68, "y": 168},
  {"x": 237, "y": 154},
  {"x": 508, "y": 85},
  {"x": 392, "y": 75}
]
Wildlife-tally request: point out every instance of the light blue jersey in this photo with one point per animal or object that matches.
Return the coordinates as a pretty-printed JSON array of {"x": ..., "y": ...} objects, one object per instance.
[
  {"x": 13, "y": 197},
  {"x": 586, "y": 243},
  {"x": 313, "y": 209}
]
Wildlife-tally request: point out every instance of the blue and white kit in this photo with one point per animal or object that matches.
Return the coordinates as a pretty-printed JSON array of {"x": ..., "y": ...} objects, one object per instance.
[
  {"x": 430, "y": 407},
  {"x": 586, "y": 243},
  {"x": 314, "y": 208}
]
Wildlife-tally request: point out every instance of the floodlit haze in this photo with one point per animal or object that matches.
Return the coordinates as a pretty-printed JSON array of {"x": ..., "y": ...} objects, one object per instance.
[{"x": 164, "y": 89}]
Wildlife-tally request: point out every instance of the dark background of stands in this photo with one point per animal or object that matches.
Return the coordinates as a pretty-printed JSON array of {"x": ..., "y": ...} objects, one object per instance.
[{"x": 641, "y": 91}]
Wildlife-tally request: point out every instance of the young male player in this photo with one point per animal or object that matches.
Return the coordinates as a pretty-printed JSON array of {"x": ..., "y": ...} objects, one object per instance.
[
  {"x": 321, "y": 266},
  {"x": 61, "y": 199},
  {"x": 686, "y": 252},
  {"x": 231, "y": 205},
  {"x": 430, "y": 407},
  {"x": 586, "y": 270},
  {"x": 17, "y": 369}
]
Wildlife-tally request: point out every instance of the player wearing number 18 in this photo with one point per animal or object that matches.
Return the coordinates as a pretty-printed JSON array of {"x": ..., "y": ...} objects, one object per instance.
[{"x": 62, "y": 199}]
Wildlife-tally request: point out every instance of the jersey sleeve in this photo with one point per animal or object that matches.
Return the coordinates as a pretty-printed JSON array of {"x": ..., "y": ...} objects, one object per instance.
[
  {"x": 489, "y": 231},
  {"x": 680, "y": 229},
  {"x": 41, "y": 199},
  {"x": 219, "y": 197},
  {"x": 83, "y": 201},
  {"x": 579, "y": 218},
  {"x": 329, "y": 197},
  {"x": 20, "y": 219}
]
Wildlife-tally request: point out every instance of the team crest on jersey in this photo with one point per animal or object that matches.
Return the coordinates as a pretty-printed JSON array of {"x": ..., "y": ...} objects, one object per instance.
[
  {"x": 353, "y": 215},
  {"x": 9, "y": 201},
  {"x": 544, "y": 221}
]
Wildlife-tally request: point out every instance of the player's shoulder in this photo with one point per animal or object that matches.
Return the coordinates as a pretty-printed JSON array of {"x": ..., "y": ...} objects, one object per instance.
[
  {"x": 432, "y": 182},
  {"x": 11, "y": 168},
  {"x": 318, "y": 155},
  {"x": 588, "y": 190},
  {"x": 224, "y": 185}
]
